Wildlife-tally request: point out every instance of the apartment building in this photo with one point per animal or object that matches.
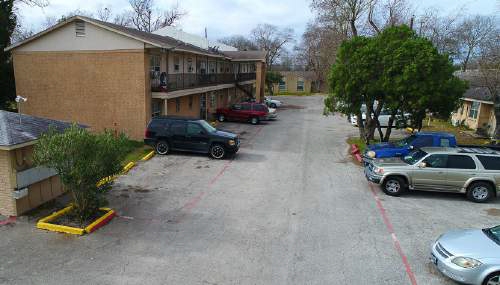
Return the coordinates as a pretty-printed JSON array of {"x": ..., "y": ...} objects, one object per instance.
[{"x": 108, "y": 76}]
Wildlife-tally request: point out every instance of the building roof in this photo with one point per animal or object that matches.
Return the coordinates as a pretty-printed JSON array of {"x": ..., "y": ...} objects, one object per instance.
[
  {"x": 17, "y": 129},
  {"x": 193, "y": 39},
  {"x": 300, "y": 73},
  {"x": 479, "y": 94},
  {"x": 156, "y": 40}
]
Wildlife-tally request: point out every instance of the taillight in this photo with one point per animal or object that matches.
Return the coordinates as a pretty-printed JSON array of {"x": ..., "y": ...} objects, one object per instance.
[{"x": 148, "y": 134}]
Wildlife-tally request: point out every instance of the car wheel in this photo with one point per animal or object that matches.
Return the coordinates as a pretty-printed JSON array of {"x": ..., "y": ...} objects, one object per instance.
[
  {"x": 221, "y": 118},
  {"x": 254, "y": 120},
  {"x": 394, "y": 186},
  {"x": 273, "y": 105},
  {"x": 492, "y": 279},
  {"x": 217, "y": 151},
  {"x": 479, "y": 192},
  {"x": 162, "y": 147}
]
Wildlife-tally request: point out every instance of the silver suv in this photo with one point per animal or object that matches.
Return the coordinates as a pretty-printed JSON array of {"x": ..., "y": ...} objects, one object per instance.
[{"x": 473, "y": 171}]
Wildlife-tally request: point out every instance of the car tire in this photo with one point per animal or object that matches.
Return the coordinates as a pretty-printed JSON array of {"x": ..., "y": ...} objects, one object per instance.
[
  {"x": 217, "y": 151},
  {"x": 493, "y": 278},
  {"x": 254, "y": 121},
  {"x": 221, "y": 118},
  {"x": 273, "y": 105},
  {"x": 479, "y": 192},
  {"x": 162, "y": 148},
  {"x": 394, "y": 186}
]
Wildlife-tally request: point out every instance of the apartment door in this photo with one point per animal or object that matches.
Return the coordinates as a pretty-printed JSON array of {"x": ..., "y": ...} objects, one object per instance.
[{"x": 203, "y": 106}]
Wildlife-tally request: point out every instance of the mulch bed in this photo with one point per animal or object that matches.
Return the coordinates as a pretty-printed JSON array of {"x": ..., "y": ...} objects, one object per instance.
[{"x": 71, "y": 220}]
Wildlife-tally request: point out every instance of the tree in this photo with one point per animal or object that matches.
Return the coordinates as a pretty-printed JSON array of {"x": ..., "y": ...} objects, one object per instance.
[
  {"x": 7, "y": 27},
  {"x": 104, "y": 14},
  {"x": 81, "y": 160},
  {"x": 395, "y": 70},
  {"x": 272, "y": 77},
  {"x": 145, "y": 19},
  {"x": 240, "y": 42},
  {"x": 271, "y": 39},
  {"x": 344, "y": 12}
]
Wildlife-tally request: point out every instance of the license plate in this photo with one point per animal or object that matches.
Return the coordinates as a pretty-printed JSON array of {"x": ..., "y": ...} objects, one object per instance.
[{"x": 434, "y": 259}]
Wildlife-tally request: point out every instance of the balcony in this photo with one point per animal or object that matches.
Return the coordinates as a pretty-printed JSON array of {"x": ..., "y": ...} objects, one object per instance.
[{"x": 172, "y": 82}]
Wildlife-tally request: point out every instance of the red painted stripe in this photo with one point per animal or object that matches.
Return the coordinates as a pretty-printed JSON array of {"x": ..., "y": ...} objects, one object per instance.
[
  {"x": 9, "y": 220},
  {"x": 395, "y": 240},
  {"x": 103, "y": 222}
]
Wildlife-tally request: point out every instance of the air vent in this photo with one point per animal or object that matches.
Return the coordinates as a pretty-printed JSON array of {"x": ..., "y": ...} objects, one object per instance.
[{"x": 80, "y": 28}]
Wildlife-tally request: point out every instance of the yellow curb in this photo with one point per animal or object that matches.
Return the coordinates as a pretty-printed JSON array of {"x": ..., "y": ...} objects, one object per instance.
[
  {"x": 129, "y": 166},
  {"x": 105, "y": 180},
  {"x": 148, "y": 156},
  {"x": 90, "y": 228}
]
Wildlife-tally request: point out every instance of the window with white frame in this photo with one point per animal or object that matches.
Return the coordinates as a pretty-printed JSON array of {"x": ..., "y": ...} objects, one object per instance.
[
  {"x": 190, "y": 65},
  {"x": 154, "y": 66},
  {"x": 474, "y": 110},
  {"x": 212, "y": 100},
  {"x": 300, "y": 85},
  {"x": 177, "y": 65},
  {"x": 212, "y": 67},
  {"x": 282, "y": 86}
]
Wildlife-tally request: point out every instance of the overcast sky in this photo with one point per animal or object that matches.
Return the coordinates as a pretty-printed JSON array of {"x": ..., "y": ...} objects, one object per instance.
[{"x": 228, "y": 17}]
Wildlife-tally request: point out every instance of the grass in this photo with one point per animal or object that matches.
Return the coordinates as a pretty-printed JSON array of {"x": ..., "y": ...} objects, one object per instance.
[
  {"x": 136, "y": 150},
  {"x": 463, "y": 134}
]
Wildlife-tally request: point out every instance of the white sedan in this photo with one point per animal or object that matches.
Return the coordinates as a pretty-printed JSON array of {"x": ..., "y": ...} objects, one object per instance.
[{"x": 272, "y": 103}]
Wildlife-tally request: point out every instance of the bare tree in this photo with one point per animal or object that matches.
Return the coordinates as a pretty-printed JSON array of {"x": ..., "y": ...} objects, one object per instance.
[
  {"x": 145, "y": 19},
  {"x": 441, "y": 30},
  {"x": 271, "y": 39},
  {"x": 389, "y": 13},
  {"x": 38, "y": 3},
  {"x": 471, "y": 33},
  {"x": 239, "y": 42},
  {"x": 104, "y": 13}
]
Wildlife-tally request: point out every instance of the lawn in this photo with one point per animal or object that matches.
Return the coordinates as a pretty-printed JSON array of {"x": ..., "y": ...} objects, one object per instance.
[
  {"x": 136, "y": 150},
  {"x": 463, "y": 134}
]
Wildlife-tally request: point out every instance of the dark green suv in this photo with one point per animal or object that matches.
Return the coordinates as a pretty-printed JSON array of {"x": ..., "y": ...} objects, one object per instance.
[{"x": 193, "y": 135}]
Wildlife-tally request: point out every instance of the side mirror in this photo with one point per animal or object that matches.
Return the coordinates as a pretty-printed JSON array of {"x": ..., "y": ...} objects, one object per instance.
[
  {"x": 422, "y": 165},
  {"x": 412, "y": 147}
]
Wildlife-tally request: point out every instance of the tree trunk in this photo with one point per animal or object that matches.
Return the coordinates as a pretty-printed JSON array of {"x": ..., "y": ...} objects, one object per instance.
[
  {"x": 496, "y": 135},
  {"x": 353, "y": 28},
  {"x": 361, "y": 126},
  {"x": 389, "y": 127}
]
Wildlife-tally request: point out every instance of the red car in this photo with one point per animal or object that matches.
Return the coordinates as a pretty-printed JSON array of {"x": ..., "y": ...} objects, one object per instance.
[{"x": 246, "y": 112}]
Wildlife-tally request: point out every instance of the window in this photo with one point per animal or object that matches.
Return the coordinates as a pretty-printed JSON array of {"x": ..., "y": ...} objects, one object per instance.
[
  {"x": 490, "y": 162},
  {"x": 461, "y": 162},
  {"x": 236, "y": 107},
  {"x": 212, "y": 100},
  {"x": 260, "y": 108},
  {"x": 154, "y": 66},
  {"x": 282, "y": 86},
  {"x": 203, "y": 67},
  {"x": 156, "y": 108},
  {"x": 177, "y": 105},
  {"x": 474, "y": 110},
  {"x": 191, "y": 102},
  {"x": 436, "y": 161},
  {"x": 444, "y": 142},
  {"x": 246, "y": 107},
  {"x": 211, "y": 66},
  {"x": 80, "y": 28},
  {"x": 194, "y": 129},
  {"x": 300, "y": 85},
  {"x": 422, "y": 141},
  {"x": 190, "y": 65},
  {"x": 178, "y": 128},
  {"x": 221, "y": 67},
  {"x": 176, "y": 63}
]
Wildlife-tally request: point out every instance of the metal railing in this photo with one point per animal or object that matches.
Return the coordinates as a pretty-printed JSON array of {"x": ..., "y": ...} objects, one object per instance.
[{"x": 172, "y": 82}]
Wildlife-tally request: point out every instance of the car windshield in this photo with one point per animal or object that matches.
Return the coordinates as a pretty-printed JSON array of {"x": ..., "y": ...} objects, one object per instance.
[
  {"x": 405, "y": 141},
  {"x": 493, "y": 233},
  {"x": 208, "y": 127},
  {"x": 414, "y": 156}
]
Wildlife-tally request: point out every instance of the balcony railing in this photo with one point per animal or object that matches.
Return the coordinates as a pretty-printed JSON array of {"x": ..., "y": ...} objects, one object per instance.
[{"x": 172, "y": 82}]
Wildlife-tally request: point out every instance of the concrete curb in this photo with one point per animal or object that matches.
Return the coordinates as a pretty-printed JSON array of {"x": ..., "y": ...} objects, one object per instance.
[
  {"x": 148, "y": 156},
  {"x": 44, "y": 224}
]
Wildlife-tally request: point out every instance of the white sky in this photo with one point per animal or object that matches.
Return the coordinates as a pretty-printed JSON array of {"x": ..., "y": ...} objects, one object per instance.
[{"x": 228, "y": 17}]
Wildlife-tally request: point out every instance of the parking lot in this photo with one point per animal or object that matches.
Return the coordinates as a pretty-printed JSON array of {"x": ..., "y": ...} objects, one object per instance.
[{"x": 290, "y": 208}]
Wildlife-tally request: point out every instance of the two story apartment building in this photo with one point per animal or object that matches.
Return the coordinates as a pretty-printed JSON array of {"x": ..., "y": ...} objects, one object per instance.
[{"x": 108, "y": 76}]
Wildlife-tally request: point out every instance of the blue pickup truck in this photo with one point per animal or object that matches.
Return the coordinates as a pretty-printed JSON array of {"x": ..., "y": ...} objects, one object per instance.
[{"x": 404, "y": 146}]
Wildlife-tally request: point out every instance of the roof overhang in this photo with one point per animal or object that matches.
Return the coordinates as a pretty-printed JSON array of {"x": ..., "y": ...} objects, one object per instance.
[
  {"x": 480, "y": 101},
  {"x": 16, "y": 146}
]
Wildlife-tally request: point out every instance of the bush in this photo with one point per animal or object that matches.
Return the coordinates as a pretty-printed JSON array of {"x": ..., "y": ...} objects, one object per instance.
[{"x": 82, "y": 159}]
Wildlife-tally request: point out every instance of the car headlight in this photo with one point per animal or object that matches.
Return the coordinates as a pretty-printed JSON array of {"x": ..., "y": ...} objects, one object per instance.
[
  {"x": 231, "y": 142},
  {"x": 466, "y": 262},
  {"x": 371, "y": 154},
  {"x": 378, "y": 170}
]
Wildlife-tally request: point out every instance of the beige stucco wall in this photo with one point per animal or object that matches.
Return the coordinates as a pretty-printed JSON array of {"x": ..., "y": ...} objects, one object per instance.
[
  {"x": 184, "y": 110},
  {"x": 104, "y": 90},
  {"x": 291, "y": 84},
  {"x": 485, "y": 118},
  {"x": 7, "y": 182},
  {"x": 96, "y": 38}
]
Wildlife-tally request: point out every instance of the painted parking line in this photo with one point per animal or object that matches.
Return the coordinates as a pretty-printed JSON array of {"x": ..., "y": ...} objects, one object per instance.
[
  {"x": 191, "y": 204},
  {"x": 394, "y": 237}
]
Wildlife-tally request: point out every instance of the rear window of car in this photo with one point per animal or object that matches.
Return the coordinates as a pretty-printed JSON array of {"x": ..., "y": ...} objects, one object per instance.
[
  {"x": 490, "y": 162},
  {"x": 261, "y": 108},
  {"x": 245, "y": 107},
  {"x": 461, "y": 162},
  {"x": 156, "y": 124}
]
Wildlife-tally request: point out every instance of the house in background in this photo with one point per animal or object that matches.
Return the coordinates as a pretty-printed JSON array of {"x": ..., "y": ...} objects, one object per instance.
[
  {"x": 108, "y": 76},
  {"x": 295, "y": 82},
  {"x": 476, "y": 111},
  {"x": 22, "y": 185}
]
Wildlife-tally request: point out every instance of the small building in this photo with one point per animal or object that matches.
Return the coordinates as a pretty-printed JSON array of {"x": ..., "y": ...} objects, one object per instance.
[
  {"x": 476, "y": 111},
  {"x": 295, "y": 82},
  {"x": 24, "y": 186}
]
